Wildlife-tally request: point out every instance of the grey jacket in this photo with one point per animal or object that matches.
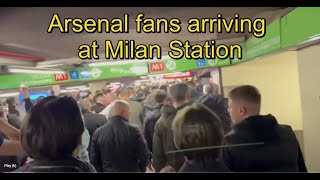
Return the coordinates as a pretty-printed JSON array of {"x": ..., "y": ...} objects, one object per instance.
[{"x": 135, "y": 117}]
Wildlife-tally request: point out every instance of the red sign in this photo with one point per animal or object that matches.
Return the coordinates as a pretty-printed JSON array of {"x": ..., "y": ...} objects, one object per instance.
[
  {"x": 178, "y": 75},
  {"x": 156, "y": 67},
  {"x": 61, "y": 77}
]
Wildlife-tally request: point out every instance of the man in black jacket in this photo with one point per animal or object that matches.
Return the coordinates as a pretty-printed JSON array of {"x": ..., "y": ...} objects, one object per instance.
[
  {"x": 92, "y": 120},
  {"x": 217, "y": 103},
  {"x": 277, "y": 149},
  {"x": 118, "y": 146}
]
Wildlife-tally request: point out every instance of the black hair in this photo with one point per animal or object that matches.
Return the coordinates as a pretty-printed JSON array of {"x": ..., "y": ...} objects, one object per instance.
[{"x": 52, "y": 128}]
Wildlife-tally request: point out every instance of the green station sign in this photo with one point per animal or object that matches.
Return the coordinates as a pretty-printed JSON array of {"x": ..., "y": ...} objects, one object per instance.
[
  {"x": 12, "y": 81},
  {"x": 296, "y": 27},
  {"x": 130, "y": 69},
  {"x": 301, "y": 24}
]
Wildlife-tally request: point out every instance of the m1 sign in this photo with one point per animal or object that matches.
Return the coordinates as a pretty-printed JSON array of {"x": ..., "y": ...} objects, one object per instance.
[
  {"x": 61, "y": 77},
  {"x": 156, "y": 66}
]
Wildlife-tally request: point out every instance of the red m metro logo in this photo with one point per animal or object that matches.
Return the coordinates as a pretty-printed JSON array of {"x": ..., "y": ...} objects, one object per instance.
[
  {"x": 156, "y": 67},
  {"x": 61, "y": 77}
]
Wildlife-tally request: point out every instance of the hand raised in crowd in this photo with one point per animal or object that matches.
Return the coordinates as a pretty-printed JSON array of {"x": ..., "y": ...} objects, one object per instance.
[
  {"x": 25, "y": 91},
  {"x": 11, "y": 132},
  {"x": 3, "y": 113}
]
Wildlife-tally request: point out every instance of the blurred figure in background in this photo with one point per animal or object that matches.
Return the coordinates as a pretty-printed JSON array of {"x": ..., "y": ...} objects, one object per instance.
[
  {"x": 136, "y": 109},
  {"x": 146, "y": 90},
  {"x": 13, "y": 119},
  {"x": 133, "y": 94},
  {"x": 140, "y": 95},
  {"x": 90, "y": 97},
  {"x": 191, "y": 132},
  {"x": 106, "y": 111},
  {"x": 164, "y": 87},
  {"x": 92, "y": 120},
  {"x": 119, "y": 146},
  {"x": 102, "y": 103},
  {"x": 12, "y": 103},
  {"x": 194, "y": 93},
  {"x": 154, "y": 87},
  {"x": 152, "y": 118},
  {"x": 280, "y": 151},
  {"x": 216, "y": 103}
]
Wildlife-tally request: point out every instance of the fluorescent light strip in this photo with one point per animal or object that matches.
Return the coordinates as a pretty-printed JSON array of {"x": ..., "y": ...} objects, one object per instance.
[
  {"x": 77, "y": 87},
  {"x": 117, "y": 62},
  {"x": 30, "y": 71},
  {"x": 9, "y": 94},
  {"x": 50, "y": 65}
]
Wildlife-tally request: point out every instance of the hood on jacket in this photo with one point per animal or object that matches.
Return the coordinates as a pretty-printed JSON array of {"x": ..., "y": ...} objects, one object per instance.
[
  {"x": 212, "y": 100},
  {"x": 167, "y": 110},
  {"x": 262, "y": 128}
]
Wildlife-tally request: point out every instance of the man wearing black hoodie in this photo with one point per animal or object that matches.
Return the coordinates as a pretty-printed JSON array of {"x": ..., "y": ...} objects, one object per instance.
[
  {"x": 277, "y": 148},
  {"x": 217, "y": 103}
]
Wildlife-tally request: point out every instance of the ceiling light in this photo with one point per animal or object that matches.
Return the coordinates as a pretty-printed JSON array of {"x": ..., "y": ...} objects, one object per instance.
[
  {"x": 9, "y": 94},
  {"x": 50, "y": 65},
  {"x": 114, "y": 62},
  {"x": 34, "y": 70},
  {"x": 77, "y": 87}
]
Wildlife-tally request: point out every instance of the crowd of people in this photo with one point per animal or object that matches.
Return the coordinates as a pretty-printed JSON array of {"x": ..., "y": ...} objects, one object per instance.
[{"x": 184, "y": 127}]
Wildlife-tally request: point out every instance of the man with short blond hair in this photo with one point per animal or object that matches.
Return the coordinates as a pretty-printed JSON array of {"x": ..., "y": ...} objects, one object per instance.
[{"x": 278, "y": 151}]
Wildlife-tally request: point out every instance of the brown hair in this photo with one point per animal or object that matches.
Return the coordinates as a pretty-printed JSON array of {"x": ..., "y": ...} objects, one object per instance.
[
  {"x": 196, "y": 126},
  {"x": 246, "y": 93},
  {"x": 154, "y": 87},
  {"x": 98, "y": 96},
  {"x": 160, "y": 96},
  {"x": 52, "y": 128},
  {"x": 164, "y": 87},
  {"x": 124, "y": 92},
  {"x": 191, "y": 83},
  {"x": 179, "y": 91}
]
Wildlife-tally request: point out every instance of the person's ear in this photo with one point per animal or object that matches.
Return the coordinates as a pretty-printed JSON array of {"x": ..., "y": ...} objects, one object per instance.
[{"x": 242, "y": 110}]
